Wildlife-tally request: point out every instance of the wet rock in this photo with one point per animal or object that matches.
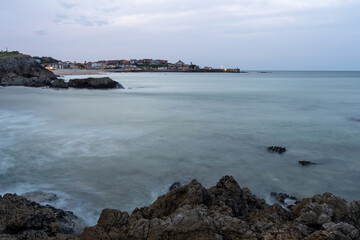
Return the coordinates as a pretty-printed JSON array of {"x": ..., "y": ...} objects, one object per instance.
[
  {"x": 277, "y": 149},
  {"x": 23, "y": 219},
  {"x": 284, "y": 199},
  {"x": 95, "y": 83},
  {"x": 305, "y": 163},
  {"x": 174, "y": 186}
]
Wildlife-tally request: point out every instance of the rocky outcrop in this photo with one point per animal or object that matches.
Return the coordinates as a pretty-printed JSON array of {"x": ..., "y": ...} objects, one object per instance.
[
  {"x": 23, "y": 70},
  {"x": 23, "y": 219},
  {"x": 227, "y": 211},
  {"x": 98, "y": 83}
]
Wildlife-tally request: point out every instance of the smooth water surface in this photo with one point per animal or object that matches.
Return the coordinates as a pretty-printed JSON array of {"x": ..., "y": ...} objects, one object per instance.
[{"x": 123, "y": 148}]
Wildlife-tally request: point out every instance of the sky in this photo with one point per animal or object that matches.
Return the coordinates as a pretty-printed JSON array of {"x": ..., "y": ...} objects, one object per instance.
[{"x": 249, "y": 34}]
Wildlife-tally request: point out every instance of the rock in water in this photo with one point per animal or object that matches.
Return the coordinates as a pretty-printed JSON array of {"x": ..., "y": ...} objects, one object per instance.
[
  {"x": 279, "y": 150},
  {"x": 305, "y": 163},
  {"x": 23, "y": 70},
  {"x": 98, "y": 83},
  {"x": 23, "y": 219}
]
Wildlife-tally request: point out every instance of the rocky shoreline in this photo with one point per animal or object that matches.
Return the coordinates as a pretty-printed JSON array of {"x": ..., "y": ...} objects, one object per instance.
[
  {"x": 23, "y": 70},
  {"x": 224, "y": 211}
]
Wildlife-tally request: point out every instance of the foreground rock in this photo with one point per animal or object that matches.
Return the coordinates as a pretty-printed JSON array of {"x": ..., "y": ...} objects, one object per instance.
[
  {"x": 23, "y": 219},
  {"x": 23, "y": 70},
  {"x": 224, "y": 211},
  {"x": 97, "y": 83},
  {"x": 227, "y": 211}
]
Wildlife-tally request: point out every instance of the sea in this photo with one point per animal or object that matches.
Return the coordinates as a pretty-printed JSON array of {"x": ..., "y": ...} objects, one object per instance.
[{"x": 122, "y": 148}]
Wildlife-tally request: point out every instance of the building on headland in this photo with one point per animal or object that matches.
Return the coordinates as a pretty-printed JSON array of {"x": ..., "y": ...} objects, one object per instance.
[
  {"x": 55, "y": 66},
  {"x": 180, "y": 64}
]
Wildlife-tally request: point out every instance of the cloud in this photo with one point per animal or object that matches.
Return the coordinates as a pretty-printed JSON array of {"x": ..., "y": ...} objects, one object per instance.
[
  {"x": 59, "y": 18},
  {"x": 67, "y": 5},
  {"x": 89, "y": 21},
  {"x": 41, "y": 32}
]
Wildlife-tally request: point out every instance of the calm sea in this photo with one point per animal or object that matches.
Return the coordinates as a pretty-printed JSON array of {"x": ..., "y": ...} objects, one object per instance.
[{"x": 123, "y": 148}]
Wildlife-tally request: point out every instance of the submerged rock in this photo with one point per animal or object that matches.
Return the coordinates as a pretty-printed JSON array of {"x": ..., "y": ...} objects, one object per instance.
[
  {"x": 305, "y": 163},
  {"x": 279, "y": 150},
  {"x": 99, "y": 83}
]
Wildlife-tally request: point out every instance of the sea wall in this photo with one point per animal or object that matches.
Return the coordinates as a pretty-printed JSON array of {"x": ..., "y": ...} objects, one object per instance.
[{"x": 224, "y": 211}]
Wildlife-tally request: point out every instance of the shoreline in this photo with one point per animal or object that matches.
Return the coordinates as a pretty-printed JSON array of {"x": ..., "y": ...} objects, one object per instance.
[{"x": 70, "y": 72}]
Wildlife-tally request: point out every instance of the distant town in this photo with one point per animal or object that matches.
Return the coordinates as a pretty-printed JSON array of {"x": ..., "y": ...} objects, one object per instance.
[{"x": 132, "y": 65}]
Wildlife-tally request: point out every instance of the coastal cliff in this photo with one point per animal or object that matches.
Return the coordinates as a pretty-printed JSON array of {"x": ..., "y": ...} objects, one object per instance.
[
  {"x": 224, "y": 211},
  {"x": 23, "y": 70}
]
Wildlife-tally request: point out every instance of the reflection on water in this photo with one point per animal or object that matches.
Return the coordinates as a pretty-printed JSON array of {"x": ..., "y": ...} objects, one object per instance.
[{"x": 122, "y": 148}]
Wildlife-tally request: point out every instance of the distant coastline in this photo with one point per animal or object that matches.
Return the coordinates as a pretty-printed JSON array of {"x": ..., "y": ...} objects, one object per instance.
[{"x": 70, "y": 72}]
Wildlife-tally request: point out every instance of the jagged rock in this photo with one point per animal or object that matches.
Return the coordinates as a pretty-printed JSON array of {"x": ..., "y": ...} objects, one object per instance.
[
  {"x": 23, "y": 70},
  {"x": 227, "y": 211},
  {"x": 305, "y": 163},
  {"x": 279, "y": 150},
  {"x": 23, "y": 219},
  {"x": 174, "y": 186},
  {"x": 99, "y": 83}
]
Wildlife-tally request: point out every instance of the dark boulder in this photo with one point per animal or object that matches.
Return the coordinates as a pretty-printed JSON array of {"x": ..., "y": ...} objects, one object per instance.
[
  {"x": 95, "y": 83},
  {"x": 277, "y": 149}
]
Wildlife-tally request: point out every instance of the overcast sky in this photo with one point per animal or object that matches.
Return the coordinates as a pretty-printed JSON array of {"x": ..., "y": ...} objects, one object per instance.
[{"x": 249, "y": 34}]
